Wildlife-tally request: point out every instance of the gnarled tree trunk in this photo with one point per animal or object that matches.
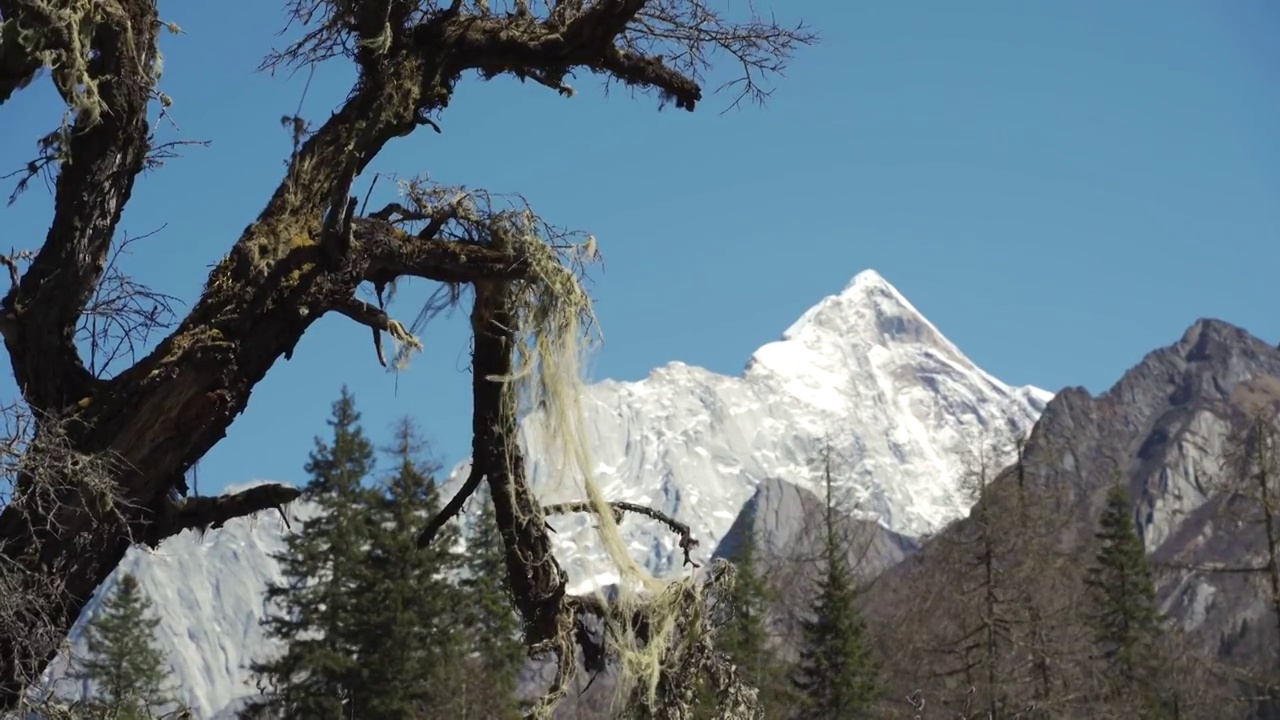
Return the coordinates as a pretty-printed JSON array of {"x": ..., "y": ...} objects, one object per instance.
[{"x": 304, "y": 256}]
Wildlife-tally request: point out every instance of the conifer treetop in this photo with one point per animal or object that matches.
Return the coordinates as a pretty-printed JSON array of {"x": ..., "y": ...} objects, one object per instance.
[{"x": 123, "y": 662}]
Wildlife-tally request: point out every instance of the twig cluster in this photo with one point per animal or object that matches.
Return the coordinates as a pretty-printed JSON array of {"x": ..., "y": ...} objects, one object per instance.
[{"x": 123, "y": 314}]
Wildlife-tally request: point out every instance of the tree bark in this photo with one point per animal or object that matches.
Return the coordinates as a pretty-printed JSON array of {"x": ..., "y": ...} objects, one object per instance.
[
  {"x": 537, "y": 581},
  {"x": 304, "y": 255}
]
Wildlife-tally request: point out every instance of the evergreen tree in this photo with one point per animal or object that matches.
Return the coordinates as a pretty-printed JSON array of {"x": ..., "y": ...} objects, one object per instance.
[
  {"x": 411, "y": 654},
  {"x": 1123, "y": 614},
  {"x": 836, "y": 677},
  {"x": 492, "y": 625},
  {"x": 316, "y": 677},
  {"x": 123, "y": 662},
  {"x": 745, "y": 638}
]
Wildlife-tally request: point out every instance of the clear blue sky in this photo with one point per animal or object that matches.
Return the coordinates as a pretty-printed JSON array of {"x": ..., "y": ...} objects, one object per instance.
[{"x": 1060, "y": 186}]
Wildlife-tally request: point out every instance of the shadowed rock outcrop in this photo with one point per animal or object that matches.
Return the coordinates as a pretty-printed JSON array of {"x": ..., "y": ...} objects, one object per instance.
[{"x": 786, "y": 521}]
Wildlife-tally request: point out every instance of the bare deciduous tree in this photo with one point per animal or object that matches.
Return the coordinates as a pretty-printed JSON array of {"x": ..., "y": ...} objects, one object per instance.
[
  {"x": 984, "y": 628},
  {"x": 143, "y": 427},
  {"x": 1246, "y": 499}
]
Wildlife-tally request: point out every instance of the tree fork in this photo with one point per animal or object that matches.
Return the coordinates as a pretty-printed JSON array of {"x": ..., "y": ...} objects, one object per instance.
[
  {"x": 110, "y": 140},
  {"x": 156, "y": 419}
]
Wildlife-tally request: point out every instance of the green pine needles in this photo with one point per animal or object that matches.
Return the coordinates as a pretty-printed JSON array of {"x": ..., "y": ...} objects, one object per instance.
[
  {"x": 1123, "y": 614},
  {"x": 128, "y": 670},
  {"x": 318, "y": 614},
  {"x": 372, "y": 625},
  {"x": 836, "y": 678}
]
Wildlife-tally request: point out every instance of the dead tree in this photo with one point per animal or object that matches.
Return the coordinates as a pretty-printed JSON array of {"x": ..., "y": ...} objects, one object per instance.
[
  {"x": 304, "y": 256},
  {"x": 982, "y": 632},
  {"x": 1247, "y": 499}
]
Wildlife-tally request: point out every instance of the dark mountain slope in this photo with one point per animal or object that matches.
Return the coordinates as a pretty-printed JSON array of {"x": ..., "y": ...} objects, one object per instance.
[{"x": 1163, "y": 430}]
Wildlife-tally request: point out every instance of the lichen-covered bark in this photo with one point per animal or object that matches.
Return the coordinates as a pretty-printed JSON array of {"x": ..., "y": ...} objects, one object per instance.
[
  {"x": 537, "y": 581},
  {"x": 39, "y": 315},
  {"x": 303, "y": 256}
]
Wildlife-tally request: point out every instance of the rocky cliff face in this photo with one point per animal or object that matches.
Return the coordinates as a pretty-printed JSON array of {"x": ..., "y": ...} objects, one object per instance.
[
  {"x": 1165, "y": 426},
  {"x": 1163, "y": 430},
  {"x": 787, "y": 523}
]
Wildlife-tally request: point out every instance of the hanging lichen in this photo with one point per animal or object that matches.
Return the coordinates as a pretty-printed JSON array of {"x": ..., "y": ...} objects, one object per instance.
[
  {"x": 62, "y": 42},
  {"x": 655, "y": 631},
  {"x": 554, "y": 331}
]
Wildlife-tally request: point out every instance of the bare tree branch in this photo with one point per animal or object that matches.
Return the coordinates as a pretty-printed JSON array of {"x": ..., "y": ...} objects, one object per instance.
[
  {"x": 107, "y": 87},
  {"x": 206, "y": 513},
  {"x": 123, "y": 314},
  {"x": 377, "y": 319},
  {"x": 451, "y": 510},
  {"x": 687, "y": 541},
  {"x": 305, "y": 255}
]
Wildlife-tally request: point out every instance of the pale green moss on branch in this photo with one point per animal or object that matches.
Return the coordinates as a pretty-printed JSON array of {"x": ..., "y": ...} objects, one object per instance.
[
  {"x": 61, "y": 39},
  {"x": 554, "y": 328}
]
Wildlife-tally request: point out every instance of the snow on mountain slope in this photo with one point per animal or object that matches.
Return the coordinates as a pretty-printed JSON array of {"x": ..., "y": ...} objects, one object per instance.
[
  {"x": 863, "y": 366},
  {"x": 208, "y": 593},
  {"x": 866, "y": 363}
]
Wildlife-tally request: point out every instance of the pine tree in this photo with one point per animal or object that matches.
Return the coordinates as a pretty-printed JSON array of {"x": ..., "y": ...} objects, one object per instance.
[
  {"x": 745, "y": 638},
  {"x": 124, "y": 663},
  {"x": 411, "y": 653},
  {"x": 837, "y": 678},
  {"x": 315, "y": 677},
  {"x": 491, "y": 624},
  {"x": 1123, "y": 613}
]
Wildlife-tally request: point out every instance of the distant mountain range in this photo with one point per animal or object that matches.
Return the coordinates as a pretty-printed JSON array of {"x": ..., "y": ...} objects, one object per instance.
[
  {"x": 1162, "y": 431},
  {"x": 725, "y": 454}
]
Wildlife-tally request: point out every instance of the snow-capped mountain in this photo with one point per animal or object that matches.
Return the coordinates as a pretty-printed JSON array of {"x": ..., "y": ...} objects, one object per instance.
[{"x": 863, "y": 368}]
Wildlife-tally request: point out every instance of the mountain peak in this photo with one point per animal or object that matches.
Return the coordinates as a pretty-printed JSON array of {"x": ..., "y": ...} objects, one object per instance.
[
  {"x": 1210, "y": 336},
  {"x": 867, "y": 278},
  {"x": 868, "y": 345},
  {"x": 869, "y": 284},
  {"x": 869, "y": 312}
]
